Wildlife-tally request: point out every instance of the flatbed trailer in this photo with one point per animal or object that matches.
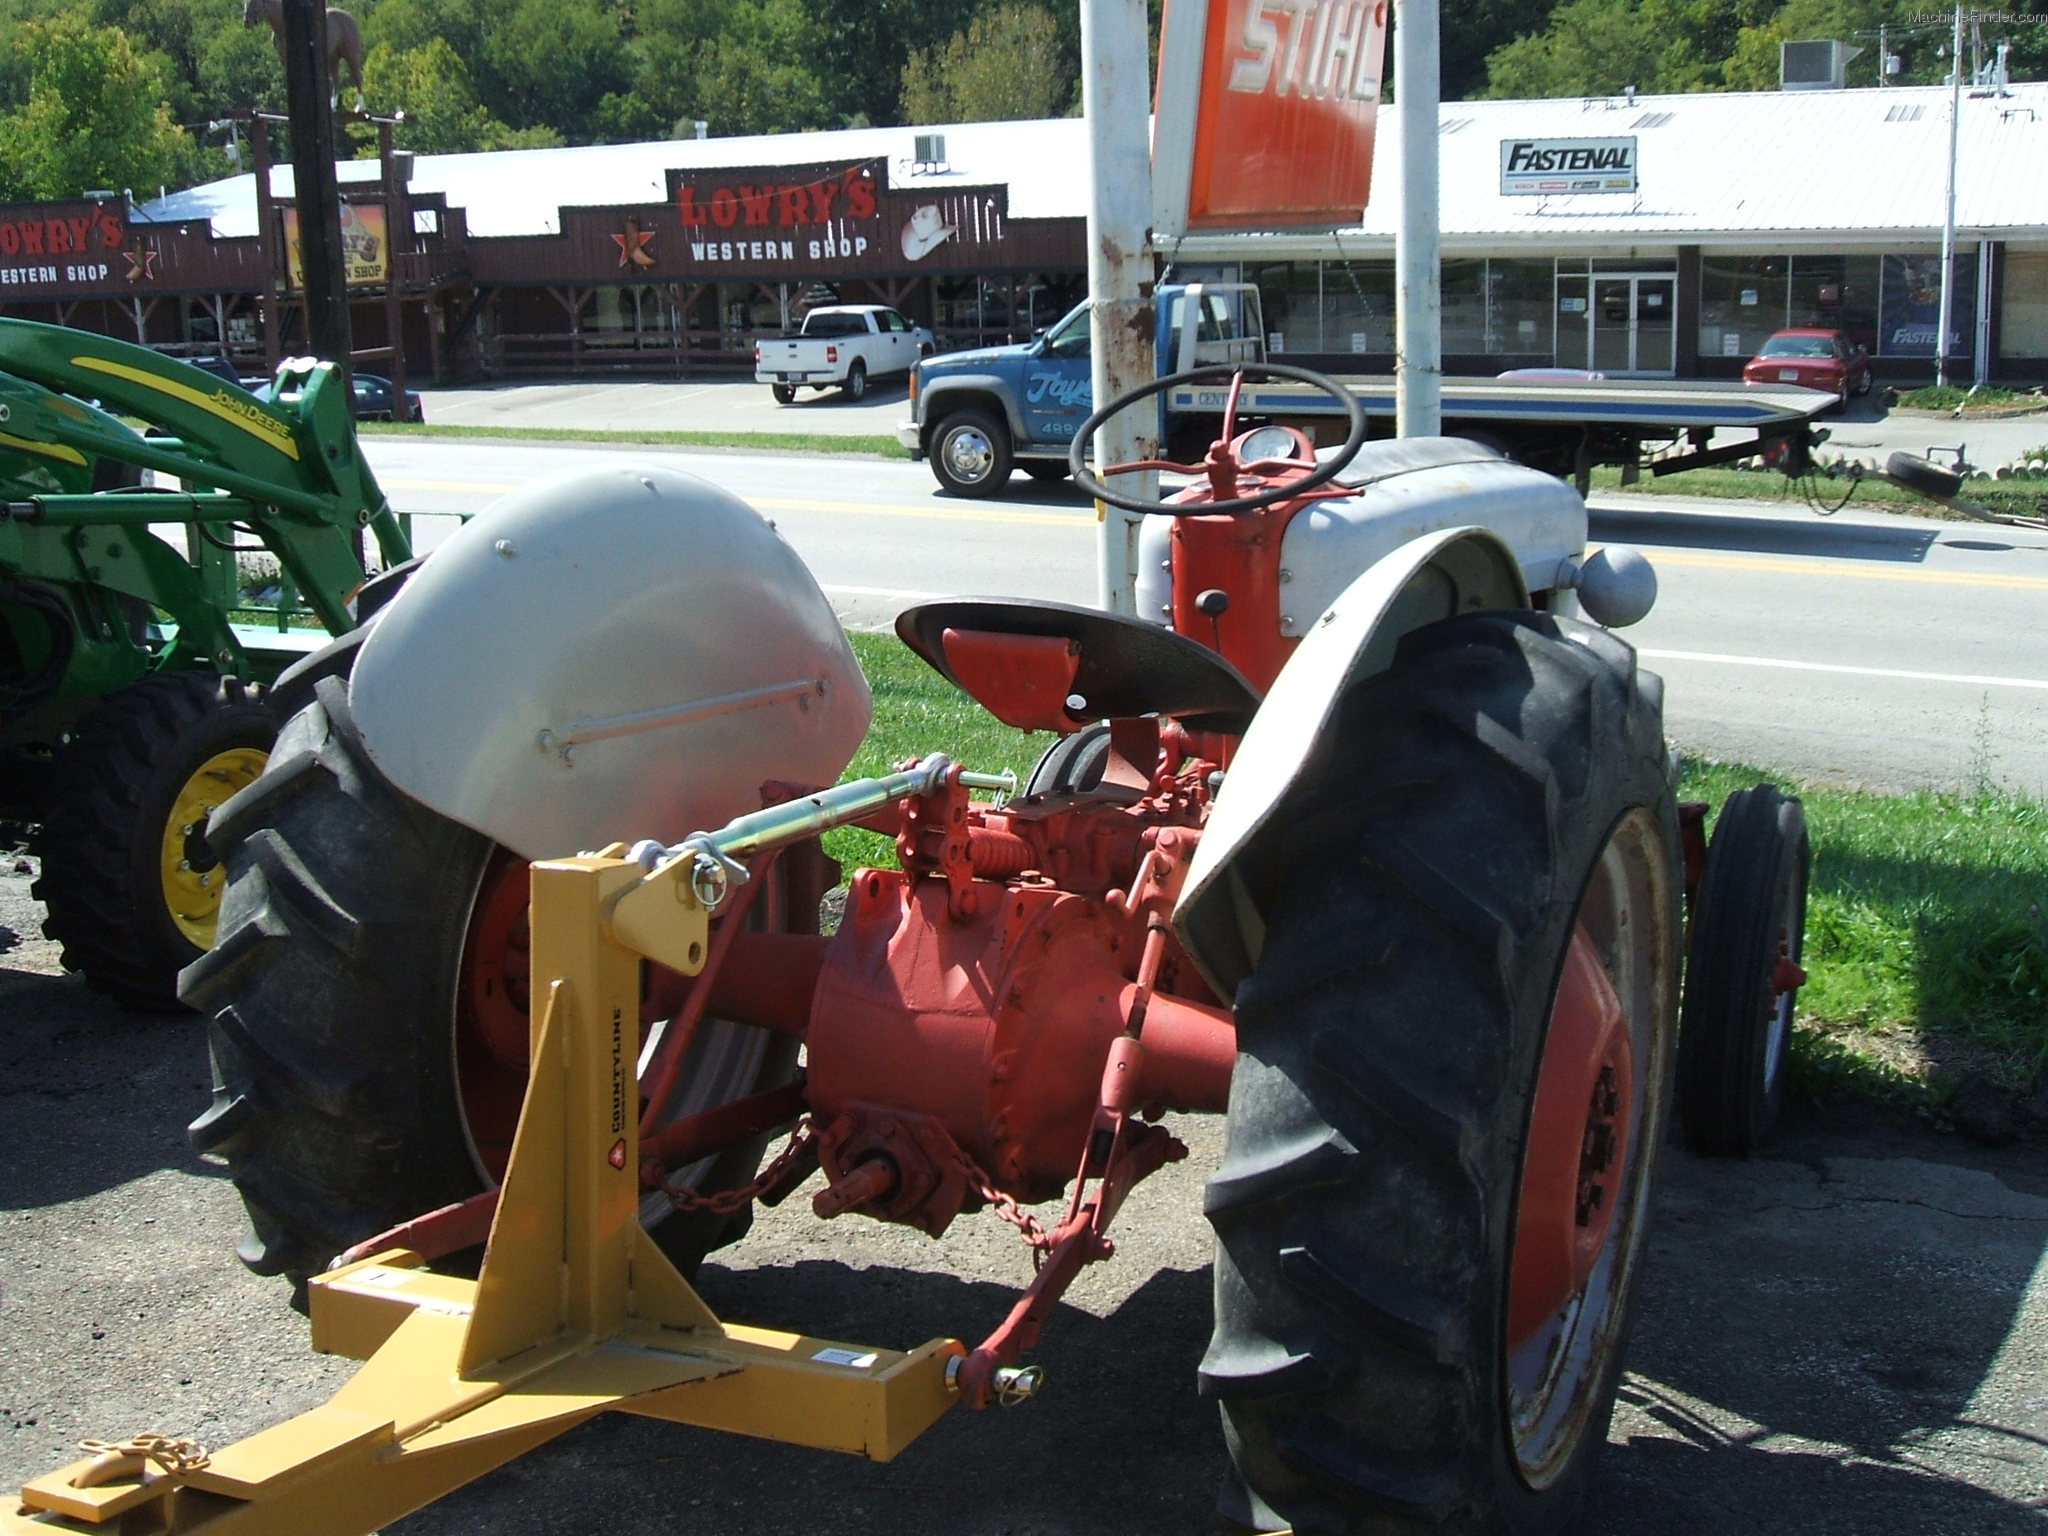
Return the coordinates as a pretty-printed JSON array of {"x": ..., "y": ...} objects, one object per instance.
[{"x": 1566, "y": 426}]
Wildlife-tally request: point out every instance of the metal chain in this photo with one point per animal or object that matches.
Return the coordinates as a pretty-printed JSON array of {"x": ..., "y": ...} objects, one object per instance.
[
  {"x": 177, "y": 1458},
  {"x": 728, "y": 1202},
  {"x": 1028, "y": 1226}
]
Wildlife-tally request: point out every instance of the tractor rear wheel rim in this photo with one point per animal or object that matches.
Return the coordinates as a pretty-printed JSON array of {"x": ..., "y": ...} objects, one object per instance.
[
  {"x": 191, "y": 879},
  {"x": 493, "y": 1033},
  {"x": 1581, "y": 1213}
]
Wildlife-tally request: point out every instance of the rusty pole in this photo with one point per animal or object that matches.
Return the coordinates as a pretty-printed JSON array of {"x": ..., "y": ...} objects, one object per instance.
[{"x": 1116, "y": 98}]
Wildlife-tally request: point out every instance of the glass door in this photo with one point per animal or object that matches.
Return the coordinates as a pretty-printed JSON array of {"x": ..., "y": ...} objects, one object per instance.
[
  {"x": 1614, "y": 324},
  {"x": 1655, "y": 329},
  {"x": 1572, "y": 323}
]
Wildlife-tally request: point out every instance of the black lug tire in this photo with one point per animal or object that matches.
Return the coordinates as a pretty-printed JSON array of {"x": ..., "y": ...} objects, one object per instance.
[
  {"x": 101, "y": 840},
  {"x": 1419, "y": 902},
  {"x": 785, "y": 394},
  {"x": 856, "y": 385},
  {"x": 330, "y": 1006},
  {"x": 1928, "y": 479},
  {"x": 1734, "y": 1027},
  {"x": 953, "y": 476},
  {"x": 1072, "y": 765},
  {"x": 294, "y": 687},
  {"x": 1044, "y": 471}
]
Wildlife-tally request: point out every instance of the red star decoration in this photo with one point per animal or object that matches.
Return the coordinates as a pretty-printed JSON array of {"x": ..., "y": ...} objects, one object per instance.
[
  {"x": 141, "y": 262},
  {"x": 632, "y": 242}
]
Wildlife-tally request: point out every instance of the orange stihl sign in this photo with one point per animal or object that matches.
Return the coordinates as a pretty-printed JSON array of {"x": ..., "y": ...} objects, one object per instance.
[{"x": 1265, "y": 113}]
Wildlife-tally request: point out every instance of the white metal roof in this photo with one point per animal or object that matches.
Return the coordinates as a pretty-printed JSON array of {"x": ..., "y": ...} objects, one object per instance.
[
  {"x": 1783, "y": 168},
  {"x": 521, "y": 191}
]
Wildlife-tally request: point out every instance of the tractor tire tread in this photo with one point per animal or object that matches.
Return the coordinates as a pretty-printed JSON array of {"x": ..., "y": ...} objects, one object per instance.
[{"x": 92, "y": 846}]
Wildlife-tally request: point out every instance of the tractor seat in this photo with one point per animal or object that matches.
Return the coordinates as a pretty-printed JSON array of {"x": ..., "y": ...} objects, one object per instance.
[{"x": 1021, "y": 660}]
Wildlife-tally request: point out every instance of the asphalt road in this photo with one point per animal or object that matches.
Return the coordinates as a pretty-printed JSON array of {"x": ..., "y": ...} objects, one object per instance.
[
  {"x": 1848, "y": 1337},
  {"x": 1863, "y": 648}
]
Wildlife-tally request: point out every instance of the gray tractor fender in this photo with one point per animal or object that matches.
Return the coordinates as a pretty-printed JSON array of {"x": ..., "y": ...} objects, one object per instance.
[
  {"x": 607, "y": 656},
  {"x": 1435, "y": 576},
  {"x": 935, "y": 400}
]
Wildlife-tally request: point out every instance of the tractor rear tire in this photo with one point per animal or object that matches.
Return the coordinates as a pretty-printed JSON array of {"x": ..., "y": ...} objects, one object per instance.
[
  {"x": 131, "y": 894},
  {"x": 1500, "y": 791},
  {"x": 1735, "y": 1030},
  {"x": 339, "y": 1098}
]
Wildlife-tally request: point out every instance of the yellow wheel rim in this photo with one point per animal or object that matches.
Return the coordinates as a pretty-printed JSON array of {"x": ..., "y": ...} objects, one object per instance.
[{"x": 192, "y": 877}]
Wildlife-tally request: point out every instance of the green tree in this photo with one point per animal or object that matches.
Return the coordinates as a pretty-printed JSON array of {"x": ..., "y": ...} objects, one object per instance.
[
  {"x": 1003, "y": 66},
  {"x": 95, "y": 116},
  {"x": 442, "y": 114},
  {"x": 549, "y": 63}
]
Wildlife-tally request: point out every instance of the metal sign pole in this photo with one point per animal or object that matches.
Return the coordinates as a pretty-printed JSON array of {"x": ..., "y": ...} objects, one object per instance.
[
  {"x": 1948, "y": 222},
  {"x": 1116, "y": 99},
  {"x": 314, "y": 189},
  {"x": 1418, "y": 300}
]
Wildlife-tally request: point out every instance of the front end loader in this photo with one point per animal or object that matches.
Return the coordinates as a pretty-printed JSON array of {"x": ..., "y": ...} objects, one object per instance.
[
  {"x": 130, "y": 700},
  {"x": 1359, "y": 835}
]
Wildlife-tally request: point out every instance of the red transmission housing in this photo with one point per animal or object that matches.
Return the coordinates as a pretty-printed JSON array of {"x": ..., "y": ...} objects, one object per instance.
[{"x": 961, "y": 1025}]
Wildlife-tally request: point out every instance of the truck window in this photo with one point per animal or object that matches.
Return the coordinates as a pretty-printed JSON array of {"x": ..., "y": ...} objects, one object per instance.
[
  {"x": 1070, "y": 339},
  {"x": 891, "y": 321},
  {"x": 826, "y": 323}
]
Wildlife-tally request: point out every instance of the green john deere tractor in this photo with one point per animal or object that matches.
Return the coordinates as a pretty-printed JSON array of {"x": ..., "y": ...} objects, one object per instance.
[{"x": 131, "y": 700}]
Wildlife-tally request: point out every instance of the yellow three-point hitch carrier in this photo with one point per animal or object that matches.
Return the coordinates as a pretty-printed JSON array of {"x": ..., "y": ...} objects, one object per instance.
[{"x": 575, "y": 1312}]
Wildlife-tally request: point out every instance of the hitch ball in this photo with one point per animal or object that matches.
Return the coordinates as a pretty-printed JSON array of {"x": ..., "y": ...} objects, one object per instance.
[{"x": 1617, "y": 585}]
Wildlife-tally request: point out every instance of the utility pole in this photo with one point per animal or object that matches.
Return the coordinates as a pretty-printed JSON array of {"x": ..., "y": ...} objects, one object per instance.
[
  {"x": 1948, "y": 225},
  {"x": 1116, "y": 98},
  {"x": 1884, "y": 58},
  {"x": 1418, "y": 298},
  {"x": 313, "y": 182}
]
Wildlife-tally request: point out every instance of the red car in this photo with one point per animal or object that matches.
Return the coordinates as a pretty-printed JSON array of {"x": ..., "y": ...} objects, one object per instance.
[{"x": 1816, "y": 359}]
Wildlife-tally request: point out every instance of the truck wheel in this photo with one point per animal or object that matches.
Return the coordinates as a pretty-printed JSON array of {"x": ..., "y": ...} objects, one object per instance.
[
  {"x": 971, "y": 454},
  {"x": 785, "y": 394},
  {"x": 367, "y": 1011},
  {"x": 130, "y": 875},
  {"x": 1742, "y": 972},
  {"x": 1045, "y": 471},
  {"x": 856, "y": 385},
  {"x": 1453, "y": 1074}
]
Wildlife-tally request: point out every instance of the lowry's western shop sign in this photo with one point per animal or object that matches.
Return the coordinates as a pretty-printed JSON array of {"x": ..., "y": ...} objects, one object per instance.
[{"x": 59, "y": 247}]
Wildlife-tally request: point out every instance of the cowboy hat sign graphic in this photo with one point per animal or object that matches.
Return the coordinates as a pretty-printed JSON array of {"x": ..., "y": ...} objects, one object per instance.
[{"x": 924, "y": 232}]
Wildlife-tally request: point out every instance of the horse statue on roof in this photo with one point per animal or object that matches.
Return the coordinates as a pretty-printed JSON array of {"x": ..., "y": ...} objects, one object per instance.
[{"x": 344, "y": 41}]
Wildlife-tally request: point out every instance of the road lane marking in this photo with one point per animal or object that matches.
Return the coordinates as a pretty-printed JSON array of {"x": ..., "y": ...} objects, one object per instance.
[
  {"x": 1970, "y": 679},
  {"x": 889, "y": 592},
  {"x": 1855, "y": 570}
]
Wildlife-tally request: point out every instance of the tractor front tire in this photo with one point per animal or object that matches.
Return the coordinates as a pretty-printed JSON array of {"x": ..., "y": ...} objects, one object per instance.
[
  {"x": 130, "y": 878},
  {"x": 1399, "y": 1344},
  {"x": 352, "y": 1082}
]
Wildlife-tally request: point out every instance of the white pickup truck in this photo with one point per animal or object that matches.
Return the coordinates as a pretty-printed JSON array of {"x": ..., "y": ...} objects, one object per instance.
[{"x": 843, "y": 345}]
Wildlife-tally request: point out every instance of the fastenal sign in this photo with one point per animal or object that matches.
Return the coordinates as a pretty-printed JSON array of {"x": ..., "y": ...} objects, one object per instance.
[
  {"x": 1546, "y": 167},
  {"x": 1265, "y": 113}
]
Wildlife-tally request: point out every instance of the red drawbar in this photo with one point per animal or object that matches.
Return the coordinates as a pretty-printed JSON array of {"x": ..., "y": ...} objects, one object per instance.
[{"x": 1023, "y": 680}]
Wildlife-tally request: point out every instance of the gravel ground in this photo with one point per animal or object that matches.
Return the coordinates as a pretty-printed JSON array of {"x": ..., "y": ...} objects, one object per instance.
[{"x": 1850, "y": 1335}]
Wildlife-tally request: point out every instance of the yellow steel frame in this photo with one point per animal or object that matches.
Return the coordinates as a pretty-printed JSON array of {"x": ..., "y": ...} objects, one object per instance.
[{"x": 574, "y": 1313}]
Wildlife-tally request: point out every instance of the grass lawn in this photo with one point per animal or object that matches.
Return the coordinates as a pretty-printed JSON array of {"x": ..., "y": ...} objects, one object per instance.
[
  {"x": 2013, "y": 498},
  {"x": 1927, "y": 923}
]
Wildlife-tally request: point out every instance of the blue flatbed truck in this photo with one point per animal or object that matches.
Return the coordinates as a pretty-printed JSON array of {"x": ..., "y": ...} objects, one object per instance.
[{"x": 979, "y": 415}]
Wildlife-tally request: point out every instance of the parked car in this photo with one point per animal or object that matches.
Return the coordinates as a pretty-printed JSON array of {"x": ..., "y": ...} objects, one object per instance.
[
  {"x": 373, "y": 394},
  {"x": 843, "y": 345},
  {"x": 1814, "y": 359}
]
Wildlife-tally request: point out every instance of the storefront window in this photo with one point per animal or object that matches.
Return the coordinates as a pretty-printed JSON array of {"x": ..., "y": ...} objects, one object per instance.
[
  {"x": 1910, "y": 306},
  {"x": 1742, "y": 300},
  {"x": 2023, "y": 329},
  {"x": 1574, "y": 329},
  {"x": 1518, "y": 308},
  {"x": 1290, "y": 297},
  {"x": 1358, "y": 302},
  {"x": 1838, "y": 292},
  {"x": 1463, "y": 286}
]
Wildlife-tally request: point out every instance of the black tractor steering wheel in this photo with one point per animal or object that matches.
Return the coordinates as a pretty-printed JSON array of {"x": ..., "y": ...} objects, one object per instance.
[{"x": 1286, "y": 490}]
